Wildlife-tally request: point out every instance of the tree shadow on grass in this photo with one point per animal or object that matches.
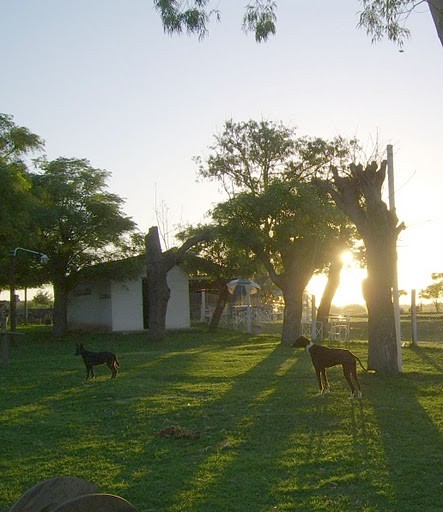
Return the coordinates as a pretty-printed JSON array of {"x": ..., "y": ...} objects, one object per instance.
[
  {"x": 408, "y": 413},
  {"x": 224, "y": 424},
  {"x": 267, "y": 442},
  {"x": 282, "y": 449},
  {"x": 432, "y": 356}
]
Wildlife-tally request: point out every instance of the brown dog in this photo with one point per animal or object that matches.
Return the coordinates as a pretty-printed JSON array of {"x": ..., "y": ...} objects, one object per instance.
[
  {"x": 323, "y": 357},
  {"x": 92, "y": 359}
]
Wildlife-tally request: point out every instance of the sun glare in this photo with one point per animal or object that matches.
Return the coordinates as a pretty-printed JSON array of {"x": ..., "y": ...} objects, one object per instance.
[
  {"x": 350, "y": 288},
  {"x": 347, "y": 258}
]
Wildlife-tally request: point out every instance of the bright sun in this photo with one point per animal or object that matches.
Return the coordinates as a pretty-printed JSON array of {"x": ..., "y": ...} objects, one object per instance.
[{"x": 349, "y": 291}]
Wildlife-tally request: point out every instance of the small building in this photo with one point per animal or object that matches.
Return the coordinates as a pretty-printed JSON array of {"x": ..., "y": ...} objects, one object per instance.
[{"x": 112, "y": 297}]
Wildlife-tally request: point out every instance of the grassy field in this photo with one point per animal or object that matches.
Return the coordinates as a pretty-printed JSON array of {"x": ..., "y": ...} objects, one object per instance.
[{"x": 255, "y": 437}]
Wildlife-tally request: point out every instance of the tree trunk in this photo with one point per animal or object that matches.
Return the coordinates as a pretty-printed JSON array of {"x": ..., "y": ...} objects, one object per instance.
[
  {"x": 377, "y": 290},
  {"x": 331, "y": 287},
  {"x": 292, "y": 315},
  {"x": 158, "y": 289},
  {"x": 293, "y": 287},
  {"x": 158, "y": 266},
  {"x": 292, "y": 282},
  {"x": 359, "y": 195},
  {"x": 436, "y": 8},
  {"x": 60, "y": 306},
  {"x": 222, "y": 300}
]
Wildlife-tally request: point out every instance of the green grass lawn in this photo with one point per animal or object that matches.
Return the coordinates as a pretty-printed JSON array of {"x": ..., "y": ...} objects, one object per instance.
[{"x": 259, "y": 437}]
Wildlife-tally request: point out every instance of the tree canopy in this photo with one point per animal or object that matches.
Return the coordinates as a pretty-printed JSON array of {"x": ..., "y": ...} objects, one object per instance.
[
  {"x": 78, "y": 223},
  {"x": 17, "y": 144},
  {"x": 434, "y": 291},
  {"x": 274, "y": 214},
  {"x": 380, "y": 18}
]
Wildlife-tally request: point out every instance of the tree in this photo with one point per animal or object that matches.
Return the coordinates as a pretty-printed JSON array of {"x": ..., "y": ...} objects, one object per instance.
[
  {"x": 288, "y": 227},
  {"x": 78, "y": 222},
  {"x": 380, "y": 18},
  {"x": 358, "y": 194},
  {"x": 17, "y": 143},
  {"x": 434, "y": 291},
  {"x": 159, "y": 263},
  {"x": 42, "y": 299},
  {"x": 273, "y": 212},
  {"x": 249, "y": 156}
]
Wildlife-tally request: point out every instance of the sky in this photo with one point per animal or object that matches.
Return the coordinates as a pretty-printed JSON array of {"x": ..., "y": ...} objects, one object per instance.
[{"x": 101, "y": 80}]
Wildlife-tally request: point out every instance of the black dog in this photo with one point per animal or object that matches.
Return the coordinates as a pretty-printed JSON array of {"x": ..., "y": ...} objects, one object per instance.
[
  {"x": 92, "y": 359},
  {"x": 323, "y": 357}
]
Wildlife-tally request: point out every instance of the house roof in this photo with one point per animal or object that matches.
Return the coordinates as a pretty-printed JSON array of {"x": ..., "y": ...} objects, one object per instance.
[{"x": 128, "y": 268}]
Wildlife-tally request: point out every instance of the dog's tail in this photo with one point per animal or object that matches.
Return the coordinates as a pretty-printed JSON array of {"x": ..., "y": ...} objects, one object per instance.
[{"x": 361, "y": 364}]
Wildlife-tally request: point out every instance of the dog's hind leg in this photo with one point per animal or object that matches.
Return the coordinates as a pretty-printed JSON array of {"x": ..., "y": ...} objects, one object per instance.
[
  {"x": 113, "y": 367},
  {"x": 355, "y": 377},
  {"x": 347, "y": 373}
]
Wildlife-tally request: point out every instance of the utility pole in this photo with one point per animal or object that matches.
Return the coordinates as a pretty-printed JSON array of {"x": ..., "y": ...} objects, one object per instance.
[
  {"x": 395, "y": 295},
  {"x": 12, "y": 298}
]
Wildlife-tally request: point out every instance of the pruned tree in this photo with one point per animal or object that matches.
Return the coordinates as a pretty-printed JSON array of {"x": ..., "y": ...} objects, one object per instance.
[
  {"x": 159, "y": 263},
  {"x": 380, "y": 18},
  {"x": 358, "y": 194}
]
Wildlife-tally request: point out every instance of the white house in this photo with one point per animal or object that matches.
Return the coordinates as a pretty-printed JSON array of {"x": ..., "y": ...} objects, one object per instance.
[{"x": 113, "y": 304}]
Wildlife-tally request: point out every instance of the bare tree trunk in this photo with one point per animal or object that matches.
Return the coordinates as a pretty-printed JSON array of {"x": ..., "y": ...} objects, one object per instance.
[
  {"x": 377, "y": 289},
  {"x": 158, "y": 265},
  {"x": 158, "y": 289},
  {"x": 358, "y": 195}
]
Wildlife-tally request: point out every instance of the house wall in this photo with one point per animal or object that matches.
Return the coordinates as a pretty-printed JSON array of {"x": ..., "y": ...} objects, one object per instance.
[
  {"x": 127, "y": 305},
  {"x": 118, "y": 306},
  {"x": 89, "y": 307},
  {"x": 178, "y": 314}
]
